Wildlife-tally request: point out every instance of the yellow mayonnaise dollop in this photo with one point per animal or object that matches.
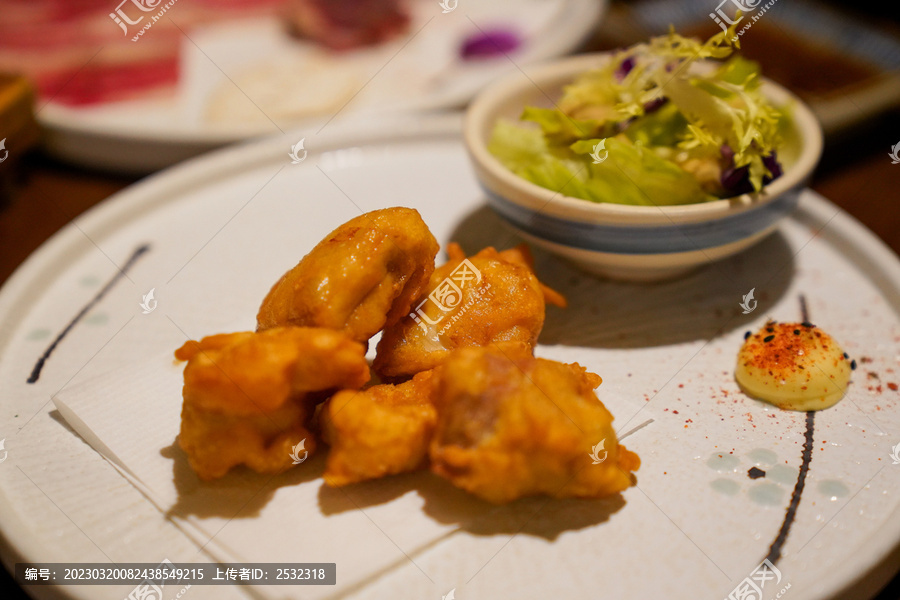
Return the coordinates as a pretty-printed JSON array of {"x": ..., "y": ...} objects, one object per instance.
[{"x": 795, "y": 366}]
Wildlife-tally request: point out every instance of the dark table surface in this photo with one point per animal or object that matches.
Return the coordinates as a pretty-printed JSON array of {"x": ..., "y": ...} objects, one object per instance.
[{"x": 855, "y": 173}]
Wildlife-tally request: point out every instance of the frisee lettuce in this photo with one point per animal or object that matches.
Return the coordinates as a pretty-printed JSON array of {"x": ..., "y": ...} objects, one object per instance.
[{"x": 665, "y": 126}]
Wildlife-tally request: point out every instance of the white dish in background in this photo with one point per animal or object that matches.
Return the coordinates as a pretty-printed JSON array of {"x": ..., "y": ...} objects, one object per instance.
[
  {"x": 222, "y": 228},
  {"x": 230, "y": 70}
]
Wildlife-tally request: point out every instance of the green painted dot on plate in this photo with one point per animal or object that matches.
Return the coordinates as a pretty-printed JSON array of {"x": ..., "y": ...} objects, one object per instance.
[
  {"x": 833, "y": 489},
  {"x": 725, "y": 486},
  {"x": 782, "y": 474},
  {"x": 762, "y": 456},
  {"x": 723, "y": 462},
  {"x": 99, "y": 318},
  {"x": 89, "y": 281},
  {"x": 36, "y": 335},
  {"x": 767, "y": 494}
]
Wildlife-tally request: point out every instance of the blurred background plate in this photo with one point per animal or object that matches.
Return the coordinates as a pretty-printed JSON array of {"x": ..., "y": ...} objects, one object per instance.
[{"x": 217, "y": 81}]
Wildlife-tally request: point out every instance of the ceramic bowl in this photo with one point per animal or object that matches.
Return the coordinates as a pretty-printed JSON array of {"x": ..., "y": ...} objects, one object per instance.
[{"x": 639, "y": 243}]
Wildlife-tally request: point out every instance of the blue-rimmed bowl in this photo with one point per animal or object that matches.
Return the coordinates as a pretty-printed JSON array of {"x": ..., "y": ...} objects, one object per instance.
[{"x": 641, "y": 243}]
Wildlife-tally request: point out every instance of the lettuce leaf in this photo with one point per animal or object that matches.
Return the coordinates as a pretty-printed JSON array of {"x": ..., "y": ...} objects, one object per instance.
[
  {"x": 559, "y": 127},
  {"x": 665, "y": 127},
  {"x": 628, "y": 174},
  {"x": 657, "y": 113}
]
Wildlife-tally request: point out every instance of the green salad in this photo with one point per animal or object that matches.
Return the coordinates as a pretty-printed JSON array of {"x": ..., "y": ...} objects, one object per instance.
[{"x": 646, "y": 129}]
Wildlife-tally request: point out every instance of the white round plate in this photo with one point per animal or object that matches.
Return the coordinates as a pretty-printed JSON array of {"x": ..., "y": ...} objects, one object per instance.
[
  {"x": 223, "y": 227},
  {"x": 245, "y": 79}
]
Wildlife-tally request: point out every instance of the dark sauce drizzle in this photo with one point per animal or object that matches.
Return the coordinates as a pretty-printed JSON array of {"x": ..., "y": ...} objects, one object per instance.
[
  {"x": 791, "y": 512},
  {"x": 39, "y": 365}
]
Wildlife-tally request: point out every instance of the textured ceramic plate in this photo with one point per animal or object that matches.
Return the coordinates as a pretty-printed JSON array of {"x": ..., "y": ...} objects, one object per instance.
[
  {"x": 219, "y": 230},
  {"x": 246, "y": 79}
]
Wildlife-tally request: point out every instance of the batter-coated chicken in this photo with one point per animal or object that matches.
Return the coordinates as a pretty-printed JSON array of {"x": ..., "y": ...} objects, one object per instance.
[
  {"x": 489, "y": 297},
  {"x": 517, "y": 426},
  {"x": 382, "y": 430},
  {"x": 247, "y": 396},
  {"x": 362, "y": 276}
]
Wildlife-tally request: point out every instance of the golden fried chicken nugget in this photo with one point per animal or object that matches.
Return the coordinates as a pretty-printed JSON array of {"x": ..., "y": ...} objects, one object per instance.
[
  {"x": 382, "y": 430},
  {"x": 362, "y": 276},
  {"x": 489, "y": 297},
  {"x": 246, "y": 395},
  {"x": 510, "y": 427}
]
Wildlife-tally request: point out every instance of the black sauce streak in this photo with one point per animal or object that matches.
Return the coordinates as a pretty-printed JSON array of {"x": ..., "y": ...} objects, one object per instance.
[
  {"x": 39, "y": 365},
  {"x": 791, "y": 513},
  {"x": 804, "y": 313},
  {"x": 755, "y": 473}
]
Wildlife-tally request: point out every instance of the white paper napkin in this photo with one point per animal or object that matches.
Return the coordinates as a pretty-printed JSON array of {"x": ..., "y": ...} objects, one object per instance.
[{"x": 132, "y": 416}]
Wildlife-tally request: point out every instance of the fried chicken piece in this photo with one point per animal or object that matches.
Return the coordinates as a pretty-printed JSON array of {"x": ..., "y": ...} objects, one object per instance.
[
  {"x": 490, "y": 297},
  {"x": 382, "y": 430},
  {"x": 248, "y": 397},
  {"x": 361, "y": 277},
  {"x": 517, "y": 426}
]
